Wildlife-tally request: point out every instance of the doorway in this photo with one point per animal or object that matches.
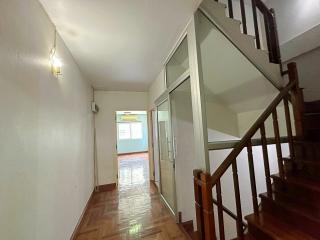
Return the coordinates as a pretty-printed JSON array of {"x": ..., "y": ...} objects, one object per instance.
[{"x": 132, "y": 148}]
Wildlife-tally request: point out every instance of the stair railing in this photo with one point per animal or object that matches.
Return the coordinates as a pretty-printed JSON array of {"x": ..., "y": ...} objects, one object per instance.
[
  {"x": 269, "y": 22},
  {"x": 204, "y": 182}
]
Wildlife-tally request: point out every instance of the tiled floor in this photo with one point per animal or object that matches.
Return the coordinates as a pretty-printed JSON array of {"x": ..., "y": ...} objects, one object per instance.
[{"x": 134, "y": 211}]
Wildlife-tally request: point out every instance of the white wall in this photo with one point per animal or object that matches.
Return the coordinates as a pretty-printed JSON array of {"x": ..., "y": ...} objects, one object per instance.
[
  {"x": 246, "y": 120},
  {"x": 156, "y": 88},
  {"x": 309, "y": 74},
  {"x": 109, "y": 103},
  {"x": 294, "y": 17},
  {"x": 221, "y": 121},
  {"x": 46, "y": 130},
  {"x": 299, "y": 32}
]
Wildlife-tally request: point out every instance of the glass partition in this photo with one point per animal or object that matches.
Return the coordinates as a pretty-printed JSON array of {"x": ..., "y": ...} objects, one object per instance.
[
  {"x": 167, "y": 177},
  {"x": 236, "y": 92},
  {"x": 183, "y": 142},
  {"x": 178, "y": 63}
]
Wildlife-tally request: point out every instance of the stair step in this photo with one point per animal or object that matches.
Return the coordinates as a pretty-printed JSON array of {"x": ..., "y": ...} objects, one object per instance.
[
  {"x": 232, "y": 30},
  {"x": 312, "y": 120},
  {"x": 283, "y": 196},
  {"x": 312, "y": 107},
  {"x": 267, "y": 227},
  {"x": 305, "y": 168},
  {"x": 246, "y": 237},
  {"x": 313, "y": 134},
  {"x": 219, "y": 9},
  {"x": 303, "y": 218},
  {"x": 300, "y": 189},
  {"x": 298, "y": 183},
  {"x": 307, "y": 150}
]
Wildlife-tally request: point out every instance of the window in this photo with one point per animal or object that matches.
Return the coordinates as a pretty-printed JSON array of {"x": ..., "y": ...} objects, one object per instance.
[
  {"x": 124, "y": 131},
  {"x": 136, "y": 130},
  {"x": 130, "y": 131}
]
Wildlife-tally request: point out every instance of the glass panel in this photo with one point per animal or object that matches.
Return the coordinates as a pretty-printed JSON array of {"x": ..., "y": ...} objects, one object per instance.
[
  {"x": 182, "y": 126},
  {"x": 166, "y": 160},
  {"x": 124, "y": 131},
  {"x": 236, "y": 91},
  {"x": 179, "y": 63},
  {"x": 136, "y": 130},
  {"x": 156, "y": 148}
]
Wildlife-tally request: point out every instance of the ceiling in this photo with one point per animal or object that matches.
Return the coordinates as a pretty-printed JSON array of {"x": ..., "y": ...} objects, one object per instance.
[{"x": 120, "y": 45}]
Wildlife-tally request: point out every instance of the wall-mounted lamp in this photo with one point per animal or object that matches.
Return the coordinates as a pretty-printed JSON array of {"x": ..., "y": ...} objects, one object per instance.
[{"x": 55, "y": 62}]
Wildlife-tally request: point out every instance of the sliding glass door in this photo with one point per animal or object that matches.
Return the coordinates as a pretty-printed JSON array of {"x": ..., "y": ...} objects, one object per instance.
[{"x": 167, "y": 165}]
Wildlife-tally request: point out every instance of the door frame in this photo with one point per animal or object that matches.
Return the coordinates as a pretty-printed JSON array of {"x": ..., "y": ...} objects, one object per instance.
[
  {"x": 175, "y": 210},
  {"x": 116, "y": 165},
  {"x": 153, "y": 135},
  {"x": 166, "y": 97}
]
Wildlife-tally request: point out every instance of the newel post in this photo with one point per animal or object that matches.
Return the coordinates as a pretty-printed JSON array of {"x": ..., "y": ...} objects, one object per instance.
[
  {"x": 207, "y": 205},
  {"x": 198, "y": 203},
  {"x": 297, "y": 99}
]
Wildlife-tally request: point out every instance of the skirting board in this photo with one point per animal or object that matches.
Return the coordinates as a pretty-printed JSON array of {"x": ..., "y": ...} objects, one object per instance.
[
  {"x": 154, "y": 184},
  {"x": 77, "y": 228},
  {"x": 107, "y": 187},
  {"x": 187, "y": 229},
  {"x": 102, "y": 188}
]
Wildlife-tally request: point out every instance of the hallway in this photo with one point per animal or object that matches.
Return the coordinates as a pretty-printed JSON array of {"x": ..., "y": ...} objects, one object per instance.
[{"x": 134, "y": 211}]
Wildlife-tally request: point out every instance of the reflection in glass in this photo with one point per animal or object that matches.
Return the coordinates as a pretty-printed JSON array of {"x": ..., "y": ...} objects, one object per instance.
[
  {"x": 235, "y": 96},
  {"x": 179, "y": 63},
  {"x": 166, "y": 159}
]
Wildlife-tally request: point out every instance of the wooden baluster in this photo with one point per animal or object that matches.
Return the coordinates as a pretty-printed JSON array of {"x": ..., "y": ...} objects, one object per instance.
[
  {"x": 207, "y": 204},
  {"x": 296, "y": 99},
  {"x": 266, "y": 159},
  {"x": 289, "y": 132},
  {"x": 230, "y": 7},
  {"x": 255, "y": 22},
  {"x": 277, "y": 53},
  {"x": 243, "y": 16},
  {"x": 278, "y": 143},
  {"x": 220, "y": 211},
  {"x": 269, "y": 37},
  {"x": 238, "y": 199},
  {"x": 198, "y": 204},
  {"x": 272, "y": 37},
  {"x": 252, "y": 179}
]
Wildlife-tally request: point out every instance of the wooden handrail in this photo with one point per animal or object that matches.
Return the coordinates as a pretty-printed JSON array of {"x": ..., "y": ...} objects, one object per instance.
[
  {"x": 204, "y": 182},
  {"x": 262, "y": 7},
  {"x": 247, "y": 137},
  {"x": 222, "y": 145}
]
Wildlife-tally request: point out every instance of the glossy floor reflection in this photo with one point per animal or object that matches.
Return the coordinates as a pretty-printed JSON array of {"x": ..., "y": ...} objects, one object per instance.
[
  {"x": 133, "y": 170},
  {"x": 134, "y": 211}
]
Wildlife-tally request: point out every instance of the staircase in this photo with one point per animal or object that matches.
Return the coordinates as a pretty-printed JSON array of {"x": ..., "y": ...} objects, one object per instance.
[
  {"x": 266, "y": 60},
  {"x": 290, "y": 209}
]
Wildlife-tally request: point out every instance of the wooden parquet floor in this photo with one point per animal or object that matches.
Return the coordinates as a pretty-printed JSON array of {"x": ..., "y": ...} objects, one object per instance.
[{"x": 133, "y": 211}]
